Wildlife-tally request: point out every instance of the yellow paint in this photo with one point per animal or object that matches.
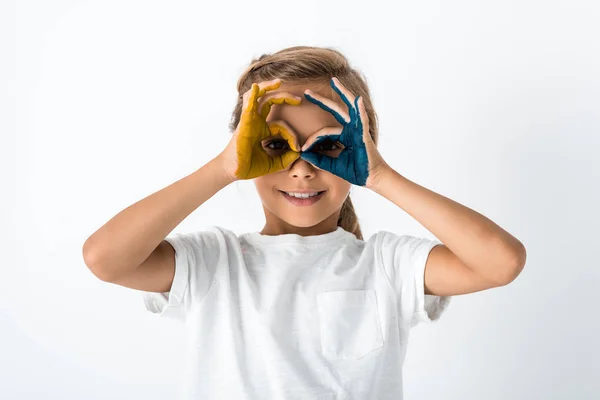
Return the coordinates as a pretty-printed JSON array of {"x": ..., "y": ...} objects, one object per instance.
[{"x": 253, "y": 159}]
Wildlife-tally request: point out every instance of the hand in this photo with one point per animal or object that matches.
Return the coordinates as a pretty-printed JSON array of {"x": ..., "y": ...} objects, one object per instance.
[
  {"x": 245, "y": 157},
  {"x": 359, "y": 162}
]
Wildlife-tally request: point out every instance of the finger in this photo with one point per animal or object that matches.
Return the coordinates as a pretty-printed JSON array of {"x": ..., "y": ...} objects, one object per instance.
[
  {"x": 266, "y": 102},
  {"x": 285, "y": 131},
  {"x": 344, "y": 93},
  {"x": 251, "y": 98},
  {"x": 251, "y": 95},
  {"x": 288, "y": 158},
  {"x": 268, "y": 86},
  {"x": 328, "y": 105},
  {"x": 320, "y": 161},
  {"x": 360, "y": 105},
  {"x": 329, "y": 132}
]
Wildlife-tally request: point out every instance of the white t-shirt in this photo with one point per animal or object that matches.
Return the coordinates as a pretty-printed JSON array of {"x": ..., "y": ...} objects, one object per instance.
[{"x": 290, "y": 317}]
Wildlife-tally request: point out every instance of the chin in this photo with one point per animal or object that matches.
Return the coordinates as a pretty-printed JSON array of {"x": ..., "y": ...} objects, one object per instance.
[
  {"x": 299, "y": 216},
  {"x": 302, "y": 222}
]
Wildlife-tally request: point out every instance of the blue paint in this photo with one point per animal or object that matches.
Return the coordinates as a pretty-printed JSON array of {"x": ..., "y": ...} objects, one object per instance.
[{"x": 352, "y": 163}]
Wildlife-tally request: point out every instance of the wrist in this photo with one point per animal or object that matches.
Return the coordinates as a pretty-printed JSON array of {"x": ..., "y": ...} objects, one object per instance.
[
  {"x": 220, "y": 168},
  {"x": 378, "y": 177}
]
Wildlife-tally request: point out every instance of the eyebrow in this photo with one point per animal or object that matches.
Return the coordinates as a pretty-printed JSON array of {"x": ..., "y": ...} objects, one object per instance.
[{"x": 309, "y": 135}]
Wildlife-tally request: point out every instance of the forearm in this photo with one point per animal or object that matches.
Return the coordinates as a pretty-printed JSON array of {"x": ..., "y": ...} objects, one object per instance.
[
  {"x": 128, "y": 238},
  {"x": 477, "y": 241}
]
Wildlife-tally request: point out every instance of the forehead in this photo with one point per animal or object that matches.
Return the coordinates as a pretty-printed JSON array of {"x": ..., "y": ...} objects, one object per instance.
[{"x": 306, "y": 118}]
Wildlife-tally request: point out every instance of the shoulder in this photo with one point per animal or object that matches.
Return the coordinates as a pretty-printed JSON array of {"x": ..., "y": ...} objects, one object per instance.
[
  {"x": 207, "y": 231},
  {"x": 209, "y": 236},
  {"x": 403, "y": 254},
  {"x": 387, "y": 240}
]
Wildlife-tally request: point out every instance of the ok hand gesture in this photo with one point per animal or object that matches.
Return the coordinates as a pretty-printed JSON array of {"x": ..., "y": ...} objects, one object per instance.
[
  {"x": 245, "y": 157},
  {"x": 359, "y": 161}
]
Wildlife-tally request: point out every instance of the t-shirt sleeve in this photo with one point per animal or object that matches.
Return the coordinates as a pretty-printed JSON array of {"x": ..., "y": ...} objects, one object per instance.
[
  {"x": 196, "y": 260},
  {"x": 404, "y": 259}
]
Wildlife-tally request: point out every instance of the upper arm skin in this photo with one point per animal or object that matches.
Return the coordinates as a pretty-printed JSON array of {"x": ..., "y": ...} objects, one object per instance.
[
  {"x": 155, "y": 274},
  {"x": 447, "y": 275}
]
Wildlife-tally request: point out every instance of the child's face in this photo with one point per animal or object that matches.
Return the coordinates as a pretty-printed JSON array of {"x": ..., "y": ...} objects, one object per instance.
[{"x": 304, "y": 120}]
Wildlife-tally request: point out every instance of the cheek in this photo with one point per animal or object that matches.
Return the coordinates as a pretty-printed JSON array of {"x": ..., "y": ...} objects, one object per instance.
[
  {"x": 339, "y": 188},
  {"x": 341, "y": 185},
  {"x": 260, "y": 185},
  {"x": 265, "y": 184}
]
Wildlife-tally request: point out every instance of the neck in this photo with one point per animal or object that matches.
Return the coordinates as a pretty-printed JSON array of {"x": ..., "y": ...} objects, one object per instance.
[{"x": 276, "y": 226}]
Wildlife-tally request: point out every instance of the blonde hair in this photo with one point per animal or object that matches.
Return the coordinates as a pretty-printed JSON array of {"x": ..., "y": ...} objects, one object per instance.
[{"x": 311, "y": 65}]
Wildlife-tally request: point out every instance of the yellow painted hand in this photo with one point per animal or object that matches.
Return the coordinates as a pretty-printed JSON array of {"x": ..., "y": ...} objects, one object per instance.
[{"x": 246, "y": 157}]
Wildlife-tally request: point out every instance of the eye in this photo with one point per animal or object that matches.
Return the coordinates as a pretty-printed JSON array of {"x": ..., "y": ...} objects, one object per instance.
[
  {"x": 277, "y": 144},
  {"x": 326, "y": 145}
]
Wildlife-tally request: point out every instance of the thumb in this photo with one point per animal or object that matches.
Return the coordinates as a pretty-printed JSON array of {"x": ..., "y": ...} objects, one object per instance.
[
  {"x": 313, "y": 158},
  {"x": 281, "y": 128},
  {"x": 320, "y": 161},
  {"x": 331, "y": 132}
]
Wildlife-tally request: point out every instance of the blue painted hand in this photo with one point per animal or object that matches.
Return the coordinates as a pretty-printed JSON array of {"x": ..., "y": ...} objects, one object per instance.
[{"x": 359, "y": 159}]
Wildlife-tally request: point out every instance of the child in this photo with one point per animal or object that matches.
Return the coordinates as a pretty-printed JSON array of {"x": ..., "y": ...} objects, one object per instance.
[{"x": 304, "y": 309}]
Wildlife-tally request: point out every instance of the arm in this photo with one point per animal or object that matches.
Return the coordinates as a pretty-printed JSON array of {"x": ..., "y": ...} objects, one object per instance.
[
  {"x": 477, "y": 254},
  {"x": 130, "y": 249}
]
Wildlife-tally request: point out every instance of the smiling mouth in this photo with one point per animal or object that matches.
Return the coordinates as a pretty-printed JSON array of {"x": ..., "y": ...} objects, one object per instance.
[
  {"x": 317, "y": 194},
  {"x": 303, "y": 201}
]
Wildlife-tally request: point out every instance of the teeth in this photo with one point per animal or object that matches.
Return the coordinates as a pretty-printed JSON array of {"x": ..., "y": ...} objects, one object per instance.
[{"x": 302, "y": 195}]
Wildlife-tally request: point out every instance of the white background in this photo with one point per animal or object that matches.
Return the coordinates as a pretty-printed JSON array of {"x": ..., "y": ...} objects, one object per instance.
[{"x": 494, "y": 104}]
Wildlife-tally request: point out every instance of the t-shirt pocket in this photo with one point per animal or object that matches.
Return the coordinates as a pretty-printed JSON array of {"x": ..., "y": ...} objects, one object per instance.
[{"x": 349, "y": 323}]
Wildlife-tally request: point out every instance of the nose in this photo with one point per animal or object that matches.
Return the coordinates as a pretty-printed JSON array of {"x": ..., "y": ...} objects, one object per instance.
[{"x": 301, "y": 168}]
